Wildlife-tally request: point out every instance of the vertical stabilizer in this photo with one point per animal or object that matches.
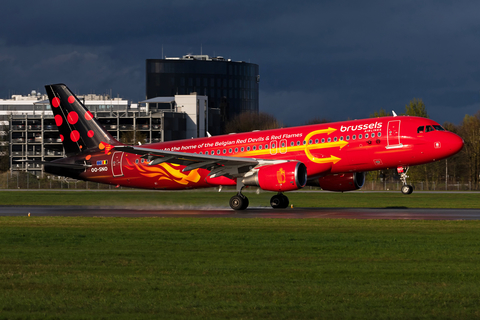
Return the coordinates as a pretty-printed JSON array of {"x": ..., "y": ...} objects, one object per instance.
[{"x": 79, "y": 130}]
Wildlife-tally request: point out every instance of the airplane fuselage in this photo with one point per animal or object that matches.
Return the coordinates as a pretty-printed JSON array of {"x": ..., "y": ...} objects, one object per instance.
[{"x": 340, "y": 147}]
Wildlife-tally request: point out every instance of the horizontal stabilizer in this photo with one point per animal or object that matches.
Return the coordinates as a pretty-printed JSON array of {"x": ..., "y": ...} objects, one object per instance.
[{"x": 57, "y": 164}]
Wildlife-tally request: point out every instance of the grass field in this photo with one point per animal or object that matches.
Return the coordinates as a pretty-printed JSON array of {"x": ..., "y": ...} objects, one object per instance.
[
  {"x": 170, "y": 268},
  {"x": 208, "y": 199},
  {"x": 228, "y": 268}
]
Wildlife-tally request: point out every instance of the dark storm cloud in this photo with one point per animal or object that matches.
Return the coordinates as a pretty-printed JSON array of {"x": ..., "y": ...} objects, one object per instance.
[{"x": 339, "y": 60}]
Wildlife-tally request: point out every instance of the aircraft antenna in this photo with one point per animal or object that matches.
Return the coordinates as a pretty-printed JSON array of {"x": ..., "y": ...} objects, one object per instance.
[{"x": 394, "y": 114}]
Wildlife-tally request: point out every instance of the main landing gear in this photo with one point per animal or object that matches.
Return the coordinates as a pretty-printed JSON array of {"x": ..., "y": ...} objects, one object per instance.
[
  {"x": 406, "y": 188},
  {"x": 279, "y": 201},
  {"x": 240, "y": 202}
]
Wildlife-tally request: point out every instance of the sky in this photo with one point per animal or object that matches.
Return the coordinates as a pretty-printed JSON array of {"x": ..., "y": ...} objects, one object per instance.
[{"x": 337, "y": 60}]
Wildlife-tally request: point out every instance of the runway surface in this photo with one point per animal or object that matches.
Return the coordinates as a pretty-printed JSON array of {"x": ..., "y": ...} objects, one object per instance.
[{"x": 295, "y": 213}]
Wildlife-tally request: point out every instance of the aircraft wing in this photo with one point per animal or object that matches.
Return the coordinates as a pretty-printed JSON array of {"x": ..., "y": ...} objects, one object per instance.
[{"x": 218, "y": 165}]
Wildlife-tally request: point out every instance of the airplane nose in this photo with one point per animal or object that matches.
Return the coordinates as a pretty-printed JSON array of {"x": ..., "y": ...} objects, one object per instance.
[{"x": 455, "y": 143}]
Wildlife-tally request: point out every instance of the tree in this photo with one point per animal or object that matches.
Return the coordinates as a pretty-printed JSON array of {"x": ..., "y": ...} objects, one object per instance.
[
  {"x": 250, "y": 121},
  {"x": 380, "y": 113},
  {"x": 470, "y": 132},
  {"x": 416, "y": 107},
  {"x": 132, "y": 137}
]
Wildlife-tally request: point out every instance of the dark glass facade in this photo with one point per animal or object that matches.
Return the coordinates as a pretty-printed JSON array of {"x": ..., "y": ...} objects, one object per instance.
[{"x": 231, "y": 86}]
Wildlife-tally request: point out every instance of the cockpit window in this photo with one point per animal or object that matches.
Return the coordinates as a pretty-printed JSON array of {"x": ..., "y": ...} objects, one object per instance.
[
  {"x": 421, "y": 129},
  {"x": 438, "y": 128},
  {"x": 429, "y": 128}
]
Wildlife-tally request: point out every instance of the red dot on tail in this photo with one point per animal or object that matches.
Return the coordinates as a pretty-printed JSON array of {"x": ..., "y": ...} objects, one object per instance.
[
  {"x": 71, "y": 99},
  {"x": 90, "y": 133},
  {"x": 61, "y": 137},
  {"x": 72, "y": 117},
  {"x": 58, "y": 120},
  {"x": 55, "y": 102},
  {"x": 88, "y": 115},
  {"x": 74, "y": 135}
]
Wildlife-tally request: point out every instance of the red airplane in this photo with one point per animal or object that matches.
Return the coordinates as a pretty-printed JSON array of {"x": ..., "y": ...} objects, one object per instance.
[{"x": 334, "y": 156}]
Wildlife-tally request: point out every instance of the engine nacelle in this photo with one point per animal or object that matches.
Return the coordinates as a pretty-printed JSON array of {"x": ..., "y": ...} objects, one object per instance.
[
  {"x": 280, "y": 177},
  {"x": 340, "y": 182}
]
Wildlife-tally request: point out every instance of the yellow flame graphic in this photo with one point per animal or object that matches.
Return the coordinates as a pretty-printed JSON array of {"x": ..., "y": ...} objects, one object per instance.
[{"x": 167, "y": 171}]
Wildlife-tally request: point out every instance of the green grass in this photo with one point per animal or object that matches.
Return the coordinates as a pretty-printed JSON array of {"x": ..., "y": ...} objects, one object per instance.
[
  {"x": 170, "y": 268},
  {"x": 196, "y": 199}
]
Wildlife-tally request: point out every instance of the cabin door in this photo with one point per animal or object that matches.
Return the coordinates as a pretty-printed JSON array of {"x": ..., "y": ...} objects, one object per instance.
[
  {"x": 393, "y": 134},
  {"x": 117, "y": 170}
]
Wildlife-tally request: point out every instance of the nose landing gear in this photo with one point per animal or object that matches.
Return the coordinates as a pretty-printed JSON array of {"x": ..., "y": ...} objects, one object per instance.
[{"x": 406, "y": 188}]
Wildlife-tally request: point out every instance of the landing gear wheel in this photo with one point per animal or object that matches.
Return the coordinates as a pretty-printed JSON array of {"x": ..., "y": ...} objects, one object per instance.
[
  {"x": 407, "y": 189},
  {"x": 279, "y": 201},
  {"x": 239, "y": 202}
]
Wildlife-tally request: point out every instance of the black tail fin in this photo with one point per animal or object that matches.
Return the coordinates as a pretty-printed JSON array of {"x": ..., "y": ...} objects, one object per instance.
[{"x": 79, "y": 130}]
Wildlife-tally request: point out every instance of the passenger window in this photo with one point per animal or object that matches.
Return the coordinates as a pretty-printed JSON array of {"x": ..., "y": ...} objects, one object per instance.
[
  {"x": 341, "y": 138},
  {"x": 254, "y": 148},
  {"x": 366, "y": 135},
  {"x": 218, "y": 151},
  {"x": 359, "y": 136},
  {"x": 260, "y": 147},
  {"x": 335, "y": 139},
  {"x": 421, "y": 129},
  {"x": 329, "y": 139},
  {"x": 230, "y": 150},
  {"x": 291, "y": 144},
  {"x": 236, "y": 150},
  {"x": 323, "y": 140},
  {"x": 224, "y": 151},
  {"x": 379, "y": 134},
  {"x": 248, "y": 148},
  {"x": 354, "y": 137},
  {"x": 316, "y": 141},
  {"x": 243, "y": 149},
  {"x": 298, "y": 143},
  {"x": 266, "y": 146},
  {"x": 310, "y": 141},
  {"x": 429, "y": 128},
  {"x": 348, "y": 138}
]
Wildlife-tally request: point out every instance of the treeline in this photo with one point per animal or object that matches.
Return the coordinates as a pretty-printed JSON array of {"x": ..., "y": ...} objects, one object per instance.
[{"x": 458, "y": 172}]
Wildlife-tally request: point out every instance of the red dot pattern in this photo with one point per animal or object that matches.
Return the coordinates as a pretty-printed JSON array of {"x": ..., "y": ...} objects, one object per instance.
[
  {"x": 88, "y": 115},
  {"x": 58, "y": 120},
  {"x": 74, "y": 135},
  {"x": 55, "y": 102},
  {"x": 72, "y": 117}
]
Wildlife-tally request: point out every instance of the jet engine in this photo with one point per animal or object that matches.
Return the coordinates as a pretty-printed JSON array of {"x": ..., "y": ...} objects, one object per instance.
[
  {"x": 340, "y": 182},
  {"x": 280, "y": 177}
]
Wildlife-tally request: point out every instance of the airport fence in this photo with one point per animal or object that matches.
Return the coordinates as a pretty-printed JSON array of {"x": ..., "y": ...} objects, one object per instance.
[{"x": 22, "y": 180}]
